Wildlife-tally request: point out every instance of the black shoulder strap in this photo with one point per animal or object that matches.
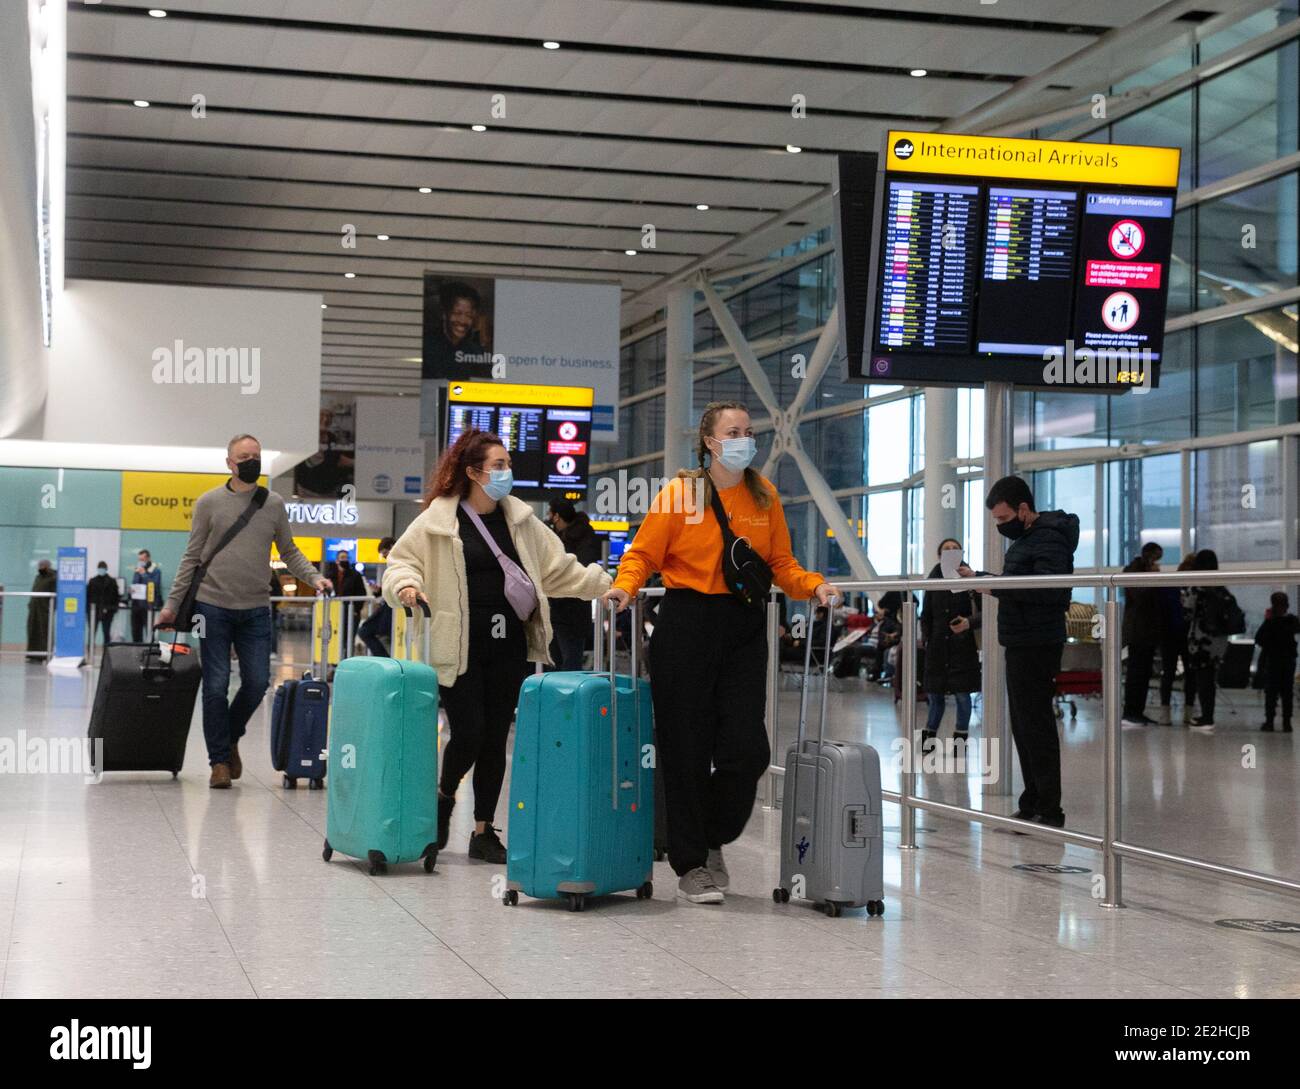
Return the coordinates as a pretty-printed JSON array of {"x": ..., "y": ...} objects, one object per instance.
[
  {"x": 728, "y": 534},
  {"x": 254, "y": 505},
  {"x": 186, "y": 610}
]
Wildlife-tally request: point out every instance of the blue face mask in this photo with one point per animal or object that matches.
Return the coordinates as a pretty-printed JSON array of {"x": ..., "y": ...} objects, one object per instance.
[
  {"x": 499, "y": 484},
  {"x": 737, "y": 453}
]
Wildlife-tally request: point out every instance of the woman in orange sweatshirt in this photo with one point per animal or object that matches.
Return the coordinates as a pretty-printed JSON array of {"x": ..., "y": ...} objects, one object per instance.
[{"x": 708, "y": 654}]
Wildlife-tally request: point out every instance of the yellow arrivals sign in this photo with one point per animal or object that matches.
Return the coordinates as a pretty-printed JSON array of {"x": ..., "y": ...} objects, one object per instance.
[
  {"x": 1041, "y": 160},
  {"x": 165, "y": 500},
  {"x": 311, "y": 547},
  {"x": 504, "y": 393}
]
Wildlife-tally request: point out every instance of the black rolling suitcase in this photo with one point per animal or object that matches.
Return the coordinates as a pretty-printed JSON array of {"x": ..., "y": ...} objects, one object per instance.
[
  {"x": 140, "y": 720},
  {"x": 1234, "y": 670}
]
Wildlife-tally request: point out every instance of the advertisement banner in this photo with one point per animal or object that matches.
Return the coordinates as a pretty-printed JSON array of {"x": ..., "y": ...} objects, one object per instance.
[
  {"x": 389, "y": 449},
  {"x": 544, "y": 332},
  {"x": 70, "y": 605}
]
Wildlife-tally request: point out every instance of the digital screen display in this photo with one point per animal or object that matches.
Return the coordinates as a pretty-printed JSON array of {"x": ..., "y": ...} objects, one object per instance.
[
  {"x": 1010, "y": 260},
  {"x": 549, "y": 445},
  {"x": 928, "y": 276},
  {"x": 1126, "y": 240},
  {"x": 1027, "y": 285}
]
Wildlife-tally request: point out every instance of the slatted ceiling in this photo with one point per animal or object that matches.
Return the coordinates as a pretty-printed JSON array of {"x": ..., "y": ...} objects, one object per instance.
[
  {"x": 108, "y": 217},
  {"x": 650, "y": 108}
]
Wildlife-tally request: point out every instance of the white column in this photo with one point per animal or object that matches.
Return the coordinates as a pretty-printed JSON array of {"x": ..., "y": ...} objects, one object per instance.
[
  {"x": 942, "y": 501},
  {"x": 679, "y": 375},
  {"x": 998, "y": 451}
]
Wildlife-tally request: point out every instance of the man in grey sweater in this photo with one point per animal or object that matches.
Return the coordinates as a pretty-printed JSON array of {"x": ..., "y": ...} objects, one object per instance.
[{"x": 233, "y": 600}]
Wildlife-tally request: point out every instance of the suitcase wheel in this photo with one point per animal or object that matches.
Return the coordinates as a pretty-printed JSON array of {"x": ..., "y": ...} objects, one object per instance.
[
  {"x": 660, "y": 854},
  {"x": 577, "y": 901},
  {"x": 175, "y": 773},
  {"x": 430, "y": 858},
  {"x": 510, "y": 898},
  {"x": 315, "y": 784},
  {"x": 875, "y": 907},
  {"x": 646, "y": 891},
  {"x": 780, "y": 895},
  {"x": 328, "y": 852},
  {"x": 289, "y": 784},
  {"x": 378, "y": 863},
  {"x": 832, "y": 909}
]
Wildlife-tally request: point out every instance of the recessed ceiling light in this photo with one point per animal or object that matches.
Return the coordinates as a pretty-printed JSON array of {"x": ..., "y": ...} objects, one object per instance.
[
  {"x": 323, "y": 306},
  {"x": 425, "y": 189},
  {"x": 382, "y": 237},
  {"x": 919, "y": 72},
  {"x": 141, "y": 103},
  {"x": 349, "y": 275},
  {"x": 701, "y": 207},
  {"x": 630, "y": 253},
  {"x": 479, "y": 128},
  {"x": 550, "y": 45},
  {"x": 792, "y": 149},
  {"x": 158, "y": 13}
]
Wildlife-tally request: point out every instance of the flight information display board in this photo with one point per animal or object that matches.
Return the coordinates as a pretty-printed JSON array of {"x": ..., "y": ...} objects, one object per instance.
[
  {"x": 1037, "y": 262},
  {"x": 546, "y": 429}
]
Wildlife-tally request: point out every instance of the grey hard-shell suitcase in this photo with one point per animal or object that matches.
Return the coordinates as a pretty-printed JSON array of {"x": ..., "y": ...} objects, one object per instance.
[{"x": 832, "y": 847}]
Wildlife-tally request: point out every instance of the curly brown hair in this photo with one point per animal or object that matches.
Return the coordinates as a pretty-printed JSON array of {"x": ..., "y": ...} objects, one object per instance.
[{"x": 449, "y": 476}]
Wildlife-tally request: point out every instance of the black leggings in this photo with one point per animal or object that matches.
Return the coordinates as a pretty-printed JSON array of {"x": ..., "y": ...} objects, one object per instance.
[
  {"x": 480, "y": 707},
  {"x": 708, "y": 668}
]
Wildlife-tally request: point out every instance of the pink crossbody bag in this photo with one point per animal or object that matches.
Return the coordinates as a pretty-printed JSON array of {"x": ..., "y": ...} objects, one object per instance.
[{"x": 520, "y": 591}]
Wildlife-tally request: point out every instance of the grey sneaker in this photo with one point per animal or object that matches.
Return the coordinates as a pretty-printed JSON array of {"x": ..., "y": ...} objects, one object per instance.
[
  {"x": 698, "y": 887},
  {"x": 718, "y": 868}
]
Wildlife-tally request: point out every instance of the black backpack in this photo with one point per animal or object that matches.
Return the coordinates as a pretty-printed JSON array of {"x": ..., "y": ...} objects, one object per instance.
[{"x": 1220, "y": 613}]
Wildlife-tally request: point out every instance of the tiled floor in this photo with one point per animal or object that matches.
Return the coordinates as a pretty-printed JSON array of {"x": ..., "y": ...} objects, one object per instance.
[{"x": 141, "y": 886}]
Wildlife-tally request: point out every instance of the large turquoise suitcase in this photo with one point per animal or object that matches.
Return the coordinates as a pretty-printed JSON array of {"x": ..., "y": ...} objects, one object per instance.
[
  {"x": 581, "y": 788},
  {"x": 383, "y": 760}
]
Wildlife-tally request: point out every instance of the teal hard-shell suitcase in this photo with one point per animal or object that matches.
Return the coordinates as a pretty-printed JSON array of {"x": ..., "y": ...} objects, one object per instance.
[
  {"x": 581, "y": 788},
  {"x": 383, "y": 760}
]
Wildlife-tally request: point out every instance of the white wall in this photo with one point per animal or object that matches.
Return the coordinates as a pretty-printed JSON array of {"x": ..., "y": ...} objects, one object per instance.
[{"x": 106, "y": 408}]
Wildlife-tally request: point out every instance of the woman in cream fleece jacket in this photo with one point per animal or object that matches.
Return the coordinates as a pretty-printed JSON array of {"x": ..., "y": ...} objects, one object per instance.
[{"x": 479, "y": 647}]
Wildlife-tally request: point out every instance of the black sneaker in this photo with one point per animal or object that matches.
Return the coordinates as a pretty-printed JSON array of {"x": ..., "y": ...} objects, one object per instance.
[
  {"x": 445, "y": 806},
  {"x": 1058, "y": 821},
  {"x": 1021, "y": 815},
  {"x": 1267, "y": 727},
  {"x": 486, "y": 846}
]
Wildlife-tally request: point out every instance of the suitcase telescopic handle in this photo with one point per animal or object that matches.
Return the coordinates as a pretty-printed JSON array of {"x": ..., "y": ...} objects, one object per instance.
[
  {"x": 428, "y": 628},
  {"x": 326, "y": 634}
]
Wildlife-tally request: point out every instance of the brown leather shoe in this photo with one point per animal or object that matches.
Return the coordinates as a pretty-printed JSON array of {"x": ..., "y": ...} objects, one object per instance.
[
  {"x": 236, "y": 764},
  {"x": 220, "y": 779}
]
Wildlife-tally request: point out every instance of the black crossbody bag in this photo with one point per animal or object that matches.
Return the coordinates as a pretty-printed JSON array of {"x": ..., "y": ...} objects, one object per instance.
[
  {"x": 185, "y": 614},
  {"x": 743, "y": 570}
]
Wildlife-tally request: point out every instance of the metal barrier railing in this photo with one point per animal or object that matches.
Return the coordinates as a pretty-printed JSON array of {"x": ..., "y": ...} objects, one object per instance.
[{"x": 1113, "y": 847}]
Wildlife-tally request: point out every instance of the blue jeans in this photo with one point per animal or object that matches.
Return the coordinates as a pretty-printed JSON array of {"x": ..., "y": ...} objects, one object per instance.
[
  {"x": 380, "y": 623},
  {"x": 935, "y": 716},
  {"x": 249, "y": 631}
]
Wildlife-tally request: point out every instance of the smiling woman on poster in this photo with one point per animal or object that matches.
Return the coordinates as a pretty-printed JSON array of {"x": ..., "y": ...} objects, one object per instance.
[{"x": 456, "y": 343}]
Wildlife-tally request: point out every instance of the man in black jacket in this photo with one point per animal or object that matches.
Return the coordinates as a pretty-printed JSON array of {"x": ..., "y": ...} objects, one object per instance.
[
  {"x": 1031, "y": 626},
  {"x": 571, "y": 618},
  {"x": 102, "y": 594},
  {"x": 1142, "y": 632}
]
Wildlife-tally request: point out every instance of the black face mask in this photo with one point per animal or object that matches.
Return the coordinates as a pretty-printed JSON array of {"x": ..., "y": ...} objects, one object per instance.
[
  {"x": 248, "y": 471},
  {"x": 344, "y": 565},
  {"x": 1012, "y": 529}
]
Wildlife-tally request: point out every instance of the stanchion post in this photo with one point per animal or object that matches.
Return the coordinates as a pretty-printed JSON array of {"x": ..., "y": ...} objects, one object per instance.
[
  {"x": 906, "y": 676},
  {"x": 773, "y": 693},
  {"x": 1111, "y": 830}
]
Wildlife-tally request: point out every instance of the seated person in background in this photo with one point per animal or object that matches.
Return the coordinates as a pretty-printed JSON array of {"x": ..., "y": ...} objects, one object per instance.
[{"x": 1276, "y": 640}]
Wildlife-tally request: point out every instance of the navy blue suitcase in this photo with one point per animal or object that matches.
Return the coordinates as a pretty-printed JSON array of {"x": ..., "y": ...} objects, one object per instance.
[
  {"x": 300, "y": 723},
  {"x": 299, "y": 731}
]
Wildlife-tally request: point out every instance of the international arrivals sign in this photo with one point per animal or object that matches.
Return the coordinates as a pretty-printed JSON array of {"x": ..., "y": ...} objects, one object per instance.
[{"x": 1043, "y": 160}]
